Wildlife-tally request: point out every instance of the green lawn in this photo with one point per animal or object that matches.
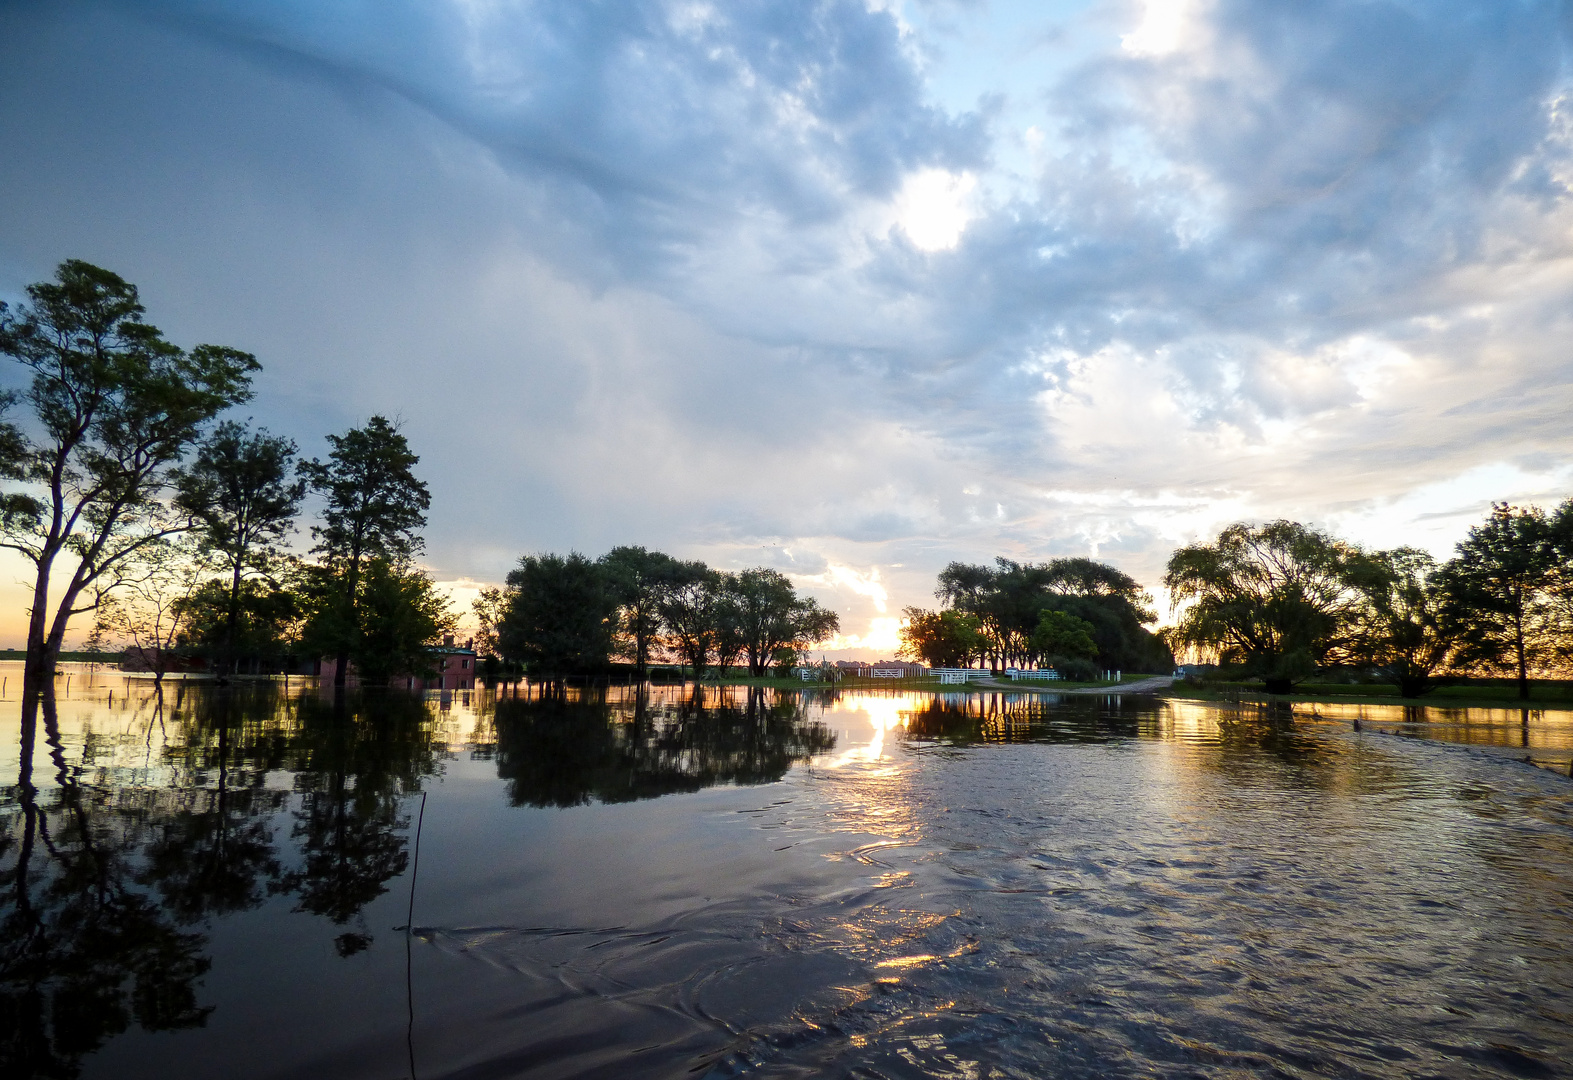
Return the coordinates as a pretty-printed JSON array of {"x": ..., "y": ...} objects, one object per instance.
[{"x": 1477, "y": 693}]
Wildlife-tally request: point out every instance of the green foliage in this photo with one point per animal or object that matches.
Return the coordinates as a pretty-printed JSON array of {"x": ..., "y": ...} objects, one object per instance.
[
  {"x": 1408, "y": 628},
  {"x": 941, "y": 638},
  {"x": 1499, "y": 591},
  {"x": 772, "y": 617},
  {"x": 1281, "y": 599},
  {"x": 240, "y": 493},
  {"x": 397, "y": 614},
  {"x": 401, "y": 615},
  {"x": 1063, "y": 635},
  {"x": 1009, "y": 598},
  {"x": 638, "y": 580},
  {"x": 375, "y": 505},
  {"x": 561, "y": 616},
  {"x": 114, "y": 407},
  {"x": 267, "y": 619},
  {"x": 689, "y": 605}
]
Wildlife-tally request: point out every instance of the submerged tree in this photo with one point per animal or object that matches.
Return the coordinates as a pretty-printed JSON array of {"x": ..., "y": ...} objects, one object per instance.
[
  {"x": 561, "y": 615},
  {"x": 240, "y": 491},
  {"x": 152, "y": 611},
  {"x": 638, "y": 580},
  {"x": 375, "y": 509},
  {"x": 115, "y": 406}
]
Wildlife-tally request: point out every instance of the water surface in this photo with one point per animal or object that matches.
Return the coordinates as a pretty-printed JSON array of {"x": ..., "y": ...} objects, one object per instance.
[{"x": 870, "y": 884}]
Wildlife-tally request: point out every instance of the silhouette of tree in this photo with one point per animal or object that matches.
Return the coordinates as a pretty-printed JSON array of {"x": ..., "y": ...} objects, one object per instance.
[
  {"x": 114, "y": 406},
  {"x": 375, "y": 509},
  {"x": 240, "y": 492}
]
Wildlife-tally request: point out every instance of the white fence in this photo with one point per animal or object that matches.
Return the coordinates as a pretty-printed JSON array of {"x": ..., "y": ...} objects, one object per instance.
[
  {"x": 961, "y": 674},
  {"x": 1041, "y": 674}
]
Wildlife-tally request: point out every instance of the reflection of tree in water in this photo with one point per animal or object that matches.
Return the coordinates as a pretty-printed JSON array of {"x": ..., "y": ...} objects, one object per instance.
[
  {"x": 83, "y": 953},
  {"x": 100, "y": 883},
  {"x": 973, "y": 718},
  {"x": 354, "y": 764},
  {"x": 213, "y": 852},
  {"x": 557, "y": 753}
]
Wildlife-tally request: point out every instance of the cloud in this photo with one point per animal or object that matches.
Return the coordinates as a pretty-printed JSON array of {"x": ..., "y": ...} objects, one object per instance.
[{"x": 829, "y": 286}]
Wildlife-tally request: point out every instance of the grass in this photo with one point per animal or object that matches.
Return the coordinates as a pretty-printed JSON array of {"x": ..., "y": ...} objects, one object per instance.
[{"x": 1476, "y": 693}]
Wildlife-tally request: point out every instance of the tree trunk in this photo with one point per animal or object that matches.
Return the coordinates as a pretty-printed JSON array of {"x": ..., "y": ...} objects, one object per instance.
[
  {"x": 1523, "y": 666},
  {"x": 40, "y": 665},
  {"x": 1279, "y": 686},
  {"x": 227, "y": 659},
  {"x": 1413, "y": 686}
]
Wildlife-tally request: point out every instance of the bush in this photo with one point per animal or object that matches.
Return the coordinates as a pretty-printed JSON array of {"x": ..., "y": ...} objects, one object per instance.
[{"x": 1076, "y": 669}]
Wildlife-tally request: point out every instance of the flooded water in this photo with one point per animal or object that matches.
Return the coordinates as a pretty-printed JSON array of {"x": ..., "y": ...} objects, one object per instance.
[{"x": 260, "y": 884}]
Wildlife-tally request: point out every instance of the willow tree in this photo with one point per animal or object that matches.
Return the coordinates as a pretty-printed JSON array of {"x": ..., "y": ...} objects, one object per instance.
[
  {"x": 1280, "y": 599},
  {"x": 114, "y": 408}
]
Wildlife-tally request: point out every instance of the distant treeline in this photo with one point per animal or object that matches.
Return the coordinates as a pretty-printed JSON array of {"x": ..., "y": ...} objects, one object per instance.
[
  {"x": 1283, "y": 602},
  {"x": 1076, "y": 615},
  {"x": 563, "y": 616}
]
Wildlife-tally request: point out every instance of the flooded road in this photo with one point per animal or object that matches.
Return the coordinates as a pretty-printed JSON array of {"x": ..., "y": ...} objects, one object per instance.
[{"x": 258, "y": 884}]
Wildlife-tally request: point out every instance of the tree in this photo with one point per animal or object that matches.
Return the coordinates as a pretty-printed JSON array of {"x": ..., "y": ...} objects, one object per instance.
[
  {"x": 150, "y": 614},
  {"x": 267, "y": 619},
  {"x": 688, "y": 606},
  {"x": 396, "y": 616},
  {"x": 1282, "y": 599},
  {"x": 239, "y": 491},
  {"x": 490, "y": 608},
  {"x": 941, "y": 638},
  {"x": 114, "y": 406},
  {"x": 1497, "y": 587},
  {"x": 561, "y": 615},
  {"x": 1059, "y": 634},
  {"x": 772, "y": 617},
  {"x": 638, "y": 579},
  {"x": 401, "y": 615},
  {"x": 375, "y": 507},
  {"x": 1408, "y": 629},
  {"x": 726, "y": 623},
  {"x": 1008, "y": 600}
]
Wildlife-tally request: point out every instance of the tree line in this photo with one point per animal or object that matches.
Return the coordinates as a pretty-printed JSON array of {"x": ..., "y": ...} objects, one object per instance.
[
  {"x": 1283, "y": 602},
  {"x": 564, "y": 616},
  {"x": 1076, "y": 615},
  {"x": 169, "y": 525}
]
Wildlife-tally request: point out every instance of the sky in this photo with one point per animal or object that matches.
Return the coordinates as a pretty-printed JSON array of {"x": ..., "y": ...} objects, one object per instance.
[{"x": 848, "y": 289}]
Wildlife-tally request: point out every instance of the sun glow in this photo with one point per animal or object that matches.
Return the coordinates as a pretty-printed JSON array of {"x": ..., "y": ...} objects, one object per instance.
[
  {"x": 884, "y": 635},
  {"x": 932, "y": 208}
]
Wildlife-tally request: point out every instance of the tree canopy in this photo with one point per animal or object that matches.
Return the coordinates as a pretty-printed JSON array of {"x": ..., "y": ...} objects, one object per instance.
[{"x": 114, "y": 407}]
